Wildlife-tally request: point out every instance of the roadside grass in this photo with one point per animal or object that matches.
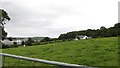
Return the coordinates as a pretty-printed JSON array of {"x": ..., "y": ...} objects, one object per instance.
[{"x": 90, "y": 52}]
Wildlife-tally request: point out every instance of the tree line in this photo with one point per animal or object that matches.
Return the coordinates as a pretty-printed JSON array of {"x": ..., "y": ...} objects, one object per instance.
[{"x": 101, "y": 32}]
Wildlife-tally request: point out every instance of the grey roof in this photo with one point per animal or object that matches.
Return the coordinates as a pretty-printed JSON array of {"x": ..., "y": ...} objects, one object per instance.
[
  {"x": 80, "y": 35},
  {"x": 37, "y": 38}
]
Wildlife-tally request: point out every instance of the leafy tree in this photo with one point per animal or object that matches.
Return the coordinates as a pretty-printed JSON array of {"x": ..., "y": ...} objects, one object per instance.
[
  {"x": 23, "y": 43},
  {"x": 46, "y": 39},
  {"x": 102, "y": 31},
  {"x": 29, "y": 42},
  {"x": 3, "y": 17},
  {"x": 102, "y": 28},
  {"x": 117, "y": 28},
  {"x": 117, "y": 25},
  {"x": 62, "y": 36},
  {"x": 10, "y": 38},
  {"x": 4, "y": 34}
]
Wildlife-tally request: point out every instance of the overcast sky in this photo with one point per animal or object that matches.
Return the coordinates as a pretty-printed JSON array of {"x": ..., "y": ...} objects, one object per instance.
[{"x": 54, "y": 17}]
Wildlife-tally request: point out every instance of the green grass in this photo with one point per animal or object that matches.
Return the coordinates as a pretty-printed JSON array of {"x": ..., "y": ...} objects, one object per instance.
[{"x": 91, "y": 52}]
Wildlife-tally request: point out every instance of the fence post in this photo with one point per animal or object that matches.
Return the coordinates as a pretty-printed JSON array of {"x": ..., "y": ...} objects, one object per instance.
[
  {"x": 0, "y": 40},
  {"x": 3, "y": 61}
]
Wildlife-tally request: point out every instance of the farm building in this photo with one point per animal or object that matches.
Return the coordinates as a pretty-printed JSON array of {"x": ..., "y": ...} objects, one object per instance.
[
  {"x": 7, "y": 42},
  {"x": 37, "y": 39},
  {"x": 79, "y": 37},
  {"x": 14, "y": 40}
]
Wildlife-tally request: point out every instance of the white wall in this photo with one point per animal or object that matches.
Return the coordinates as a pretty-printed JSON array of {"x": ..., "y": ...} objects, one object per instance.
[
  {"x": 7, "y": 42},
  {"x": 19, "y": 42}
]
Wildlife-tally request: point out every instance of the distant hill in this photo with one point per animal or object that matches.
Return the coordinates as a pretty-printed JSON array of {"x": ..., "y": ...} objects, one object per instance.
[{"x": 37, "y": 39}]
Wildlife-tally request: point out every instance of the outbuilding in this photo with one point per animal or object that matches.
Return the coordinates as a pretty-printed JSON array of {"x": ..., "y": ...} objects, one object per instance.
[{"x": 78, "y": 37}]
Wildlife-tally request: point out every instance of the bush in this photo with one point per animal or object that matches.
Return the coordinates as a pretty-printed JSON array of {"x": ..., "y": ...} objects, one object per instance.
[
  {"x": 46, "y": 39},
  {"x": 42, "y": 43},
  {"x": 14, "y": 45},
  {"x": 29, "y": 42},
  {"x": 23, "y": 43},
  {"x": 36, "y": 43},
  {"x": 6, "y": 46}
]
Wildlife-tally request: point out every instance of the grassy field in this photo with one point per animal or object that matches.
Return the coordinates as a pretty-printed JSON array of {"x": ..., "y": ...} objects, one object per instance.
[{"x": 91, "y": 52}]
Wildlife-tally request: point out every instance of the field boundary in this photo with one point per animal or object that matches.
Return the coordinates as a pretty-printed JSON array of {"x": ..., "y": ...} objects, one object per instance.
[{"x": 43, "y": 61}]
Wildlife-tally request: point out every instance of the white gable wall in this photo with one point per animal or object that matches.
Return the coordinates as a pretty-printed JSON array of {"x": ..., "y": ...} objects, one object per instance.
[
  {"x": 19, "y": 42},
  {"x": 85, "y": 37}
]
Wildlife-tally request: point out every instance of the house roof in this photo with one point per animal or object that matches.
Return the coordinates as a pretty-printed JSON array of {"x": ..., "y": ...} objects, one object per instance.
[
  {"x": 16, "y": 38},
  {"x": 37, "y": 38},
  {"x": 80, "y": 35}
]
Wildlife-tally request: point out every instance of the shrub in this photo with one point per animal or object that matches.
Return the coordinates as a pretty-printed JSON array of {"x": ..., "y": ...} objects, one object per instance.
[
  {"x": 6, "y": 46},
  {"x": 14, "y": 45},
  {"x": 29, "y": 42},
  {"x": 23, "y": 43}
]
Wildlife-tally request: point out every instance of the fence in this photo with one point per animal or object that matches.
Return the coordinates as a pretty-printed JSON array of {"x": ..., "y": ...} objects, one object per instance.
[{"x": 43, "y": 61}]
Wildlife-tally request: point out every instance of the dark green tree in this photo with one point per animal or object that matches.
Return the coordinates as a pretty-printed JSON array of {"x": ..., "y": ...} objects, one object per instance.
[
  {"x": 117, "y": 28},
  {"x": 4, "y": 34},
  {"x": 10, "y": 38},
  {"x": 62, "y": 36},
  {"x": 46, "y": 39},
  {"x": 102, "y": 31},
  {"x": 29, "y": 42},
  {"x": 3, "y": 17},
  {"x": 117, "y": 25}
]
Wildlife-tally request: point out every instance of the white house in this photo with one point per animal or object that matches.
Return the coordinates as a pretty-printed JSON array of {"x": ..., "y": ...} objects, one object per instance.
[
  {"x": 7, "y": 42},
  {"x": 16, "y": 40},
  {"x": 78, "y": 37}
]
